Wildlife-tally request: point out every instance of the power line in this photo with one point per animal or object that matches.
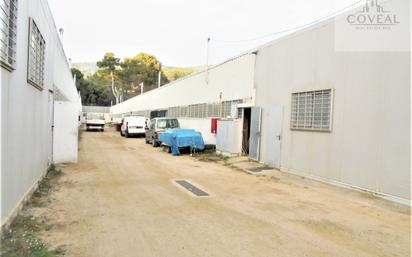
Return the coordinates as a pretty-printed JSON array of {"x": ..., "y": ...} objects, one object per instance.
[{"x": 290, "y": 29}]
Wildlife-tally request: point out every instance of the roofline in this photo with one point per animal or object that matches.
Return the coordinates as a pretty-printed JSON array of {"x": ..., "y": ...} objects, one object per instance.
[
  {"x": 255, "y": 50},
  {"x": 310, "y": 26},
  {"x": 188, "y": 76}
]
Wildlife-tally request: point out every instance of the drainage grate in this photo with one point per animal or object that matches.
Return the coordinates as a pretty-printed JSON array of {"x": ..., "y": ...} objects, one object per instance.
[
  {"x": 260, "y": 169},
  {"x": 194, "y": 190}
]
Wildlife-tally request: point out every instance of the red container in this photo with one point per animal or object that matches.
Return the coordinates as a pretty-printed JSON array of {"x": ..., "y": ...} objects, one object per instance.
[
  {"x": 117, "y": 126},
  {"x": 213, "y": 126}
]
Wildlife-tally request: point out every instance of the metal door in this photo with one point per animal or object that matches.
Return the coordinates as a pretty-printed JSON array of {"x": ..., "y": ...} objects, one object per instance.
[
  {"x": 273, "y": 136},
  {"x": 51, "y": 124},
  {"x": 254, "y": 140}
]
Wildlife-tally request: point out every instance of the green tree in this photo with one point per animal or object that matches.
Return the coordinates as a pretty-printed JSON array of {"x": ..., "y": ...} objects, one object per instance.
[
  {"x": 95, "y": 90},
  {"x": 109, "y": 66},
  {"x": 142, "y": 68},
  {"x": 109, "y": 62},
  {"x": 126, "y": 75}
]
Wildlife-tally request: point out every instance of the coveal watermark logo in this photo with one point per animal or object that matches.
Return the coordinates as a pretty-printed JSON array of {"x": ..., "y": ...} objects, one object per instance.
[{"x": 373, "y": 16}]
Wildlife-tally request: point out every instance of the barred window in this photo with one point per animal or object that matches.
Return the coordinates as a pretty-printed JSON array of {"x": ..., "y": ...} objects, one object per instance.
[
  {"x": 226, "y": 109},
  {"x": 202, "y": 110},
  {"x": 144, "y": 113},
  {"x": 213, "y": 110},
  {"x": 183, "y": 111},
  {"x": 205, "y": 110},
  {"x": 35, "y": 74},
  {"x": 199, "y": 111},
  {"x": 312, "y": 110},
  {"x": 173, "y": 112},
  {"x": 239, "y": 113},
  {"x": 190, "y": 111},
  {"x": 8, "y": 32},
  {"x": 196, "y": 111}
]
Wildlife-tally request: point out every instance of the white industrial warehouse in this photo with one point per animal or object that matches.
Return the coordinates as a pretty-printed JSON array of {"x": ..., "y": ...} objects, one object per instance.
[
  {"x": 40, "y": 106},
  {"x": 300, "y": 105}
]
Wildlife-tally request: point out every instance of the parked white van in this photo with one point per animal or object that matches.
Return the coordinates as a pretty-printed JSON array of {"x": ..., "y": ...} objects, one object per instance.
[
  {"x": 95, "y": 121},
  {"x": 133, "y": 126}
]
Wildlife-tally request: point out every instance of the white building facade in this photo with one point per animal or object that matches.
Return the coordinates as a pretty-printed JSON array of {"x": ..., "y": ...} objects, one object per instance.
[
  {"x": 35, "y": 83},
  {"x": 199, "y": 97},
  {"x": 304, "y": 107},
  {"x": 338, "y": 116},
  {"x": 365, "y": 139}
]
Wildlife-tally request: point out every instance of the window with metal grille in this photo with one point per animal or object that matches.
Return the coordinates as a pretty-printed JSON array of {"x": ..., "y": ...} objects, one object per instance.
[
  {"x": 35, "y": 73},
  {"x": 312, "y": 110},
  {"x": 170, "y": 111},
  {"x": 173, "y": 112},
  {"x": 239, "y": 113},
  {"x": 203, "y": 110},
  {"x": 194, "y": 110},
  {"x": 213, "y": 110},
  {"x": 183, "y": 111},
  {"x": 226, "y": 109},
  {"x": 190, "y": 111},
  {"x": 8, "y": 33}
]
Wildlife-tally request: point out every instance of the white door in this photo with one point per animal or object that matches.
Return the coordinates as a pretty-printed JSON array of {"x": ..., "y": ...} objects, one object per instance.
[{"x": 273, "y": 136}]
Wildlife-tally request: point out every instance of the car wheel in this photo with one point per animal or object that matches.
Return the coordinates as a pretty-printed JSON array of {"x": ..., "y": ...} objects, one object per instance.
[
  {"x": 169, "y": 149},
  {"x": 126, "y": 134},
  {"x": 154, "y": 143}
]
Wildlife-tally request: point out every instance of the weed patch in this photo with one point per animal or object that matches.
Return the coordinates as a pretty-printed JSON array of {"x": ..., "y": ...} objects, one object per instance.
[
  {"x": 21, "y": 239},
  {"x": 211, "y": 156},
  {"x": 39, "y": 197}
]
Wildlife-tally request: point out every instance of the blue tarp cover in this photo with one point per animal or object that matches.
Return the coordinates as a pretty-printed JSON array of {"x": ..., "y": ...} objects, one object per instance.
[{"x": 176, "y": 138}]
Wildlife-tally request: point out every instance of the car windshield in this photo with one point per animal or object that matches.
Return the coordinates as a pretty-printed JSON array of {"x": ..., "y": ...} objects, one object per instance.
[
  {"x": 95, "y": 116},
  {"x": 167, "y": 123}
]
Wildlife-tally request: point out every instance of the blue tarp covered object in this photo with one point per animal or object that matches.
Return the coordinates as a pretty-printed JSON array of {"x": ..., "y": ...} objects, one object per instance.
[{"x": 176, "y": 138}]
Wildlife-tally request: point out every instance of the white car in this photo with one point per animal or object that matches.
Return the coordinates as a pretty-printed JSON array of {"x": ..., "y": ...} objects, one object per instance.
[{"x": 133, "y": 126}]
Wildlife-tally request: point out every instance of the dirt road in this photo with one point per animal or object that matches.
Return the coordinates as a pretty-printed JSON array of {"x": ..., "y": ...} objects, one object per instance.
[{"x": 121, "y": 200}]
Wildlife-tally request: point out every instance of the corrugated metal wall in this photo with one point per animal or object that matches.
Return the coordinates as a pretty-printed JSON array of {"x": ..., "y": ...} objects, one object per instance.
[{"x": 369, "y": 143}]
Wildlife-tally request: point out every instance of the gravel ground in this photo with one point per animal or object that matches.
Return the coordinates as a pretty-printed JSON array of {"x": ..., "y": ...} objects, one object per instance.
[{"x": 121, "y": 200}]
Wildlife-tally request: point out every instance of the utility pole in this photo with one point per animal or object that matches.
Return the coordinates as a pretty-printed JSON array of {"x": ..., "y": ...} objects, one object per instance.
[
  {"x": 207, "y": 61},
  {"x": 114, "y": 90},
  {"x": 221, "y": 105},
  {"x": 141, "y": 87},
  {"x": 159, "y": 78}
]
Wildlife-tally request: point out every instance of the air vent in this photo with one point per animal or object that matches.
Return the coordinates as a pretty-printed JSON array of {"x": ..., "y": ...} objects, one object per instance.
[{"x": 191, "y": 188}]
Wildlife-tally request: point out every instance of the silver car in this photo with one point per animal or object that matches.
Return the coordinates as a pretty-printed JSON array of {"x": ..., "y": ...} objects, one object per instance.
[{"x": 158, "y": 125}]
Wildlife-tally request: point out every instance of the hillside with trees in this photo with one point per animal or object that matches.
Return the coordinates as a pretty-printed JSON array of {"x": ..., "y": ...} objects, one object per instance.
[
  {"x": 175, "y": 73},
  {"x": 115, "y": 80}
]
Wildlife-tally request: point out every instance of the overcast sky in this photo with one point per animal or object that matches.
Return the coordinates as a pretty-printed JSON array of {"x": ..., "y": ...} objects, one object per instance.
[{"x": 175, "y": 31}]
